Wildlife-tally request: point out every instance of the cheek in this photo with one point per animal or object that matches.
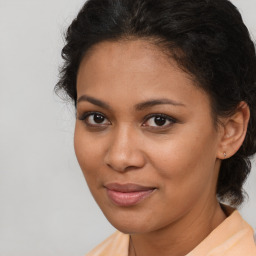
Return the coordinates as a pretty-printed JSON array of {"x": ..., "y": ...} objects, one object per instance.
[
  {"x": 185, "y": 160},
  {"x": 88, "y": 153},
  {"x": 185, "y": 169}
]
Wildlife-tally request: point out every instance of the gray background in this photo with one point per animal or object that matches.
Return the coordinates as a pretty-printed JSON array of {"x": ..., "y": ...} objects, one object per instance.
[{"x": 45, "y": 206}]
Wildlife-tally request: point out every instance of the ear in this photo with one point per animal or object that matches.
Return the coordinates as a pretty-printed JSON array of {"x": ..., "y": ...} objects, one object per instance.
[{"x": 233, "y": 130}]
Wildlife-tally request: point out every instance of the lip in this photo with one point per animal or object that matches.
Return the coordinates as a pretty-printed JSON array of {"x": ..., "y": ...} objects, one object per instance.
[{"x": 128, "y": 194}]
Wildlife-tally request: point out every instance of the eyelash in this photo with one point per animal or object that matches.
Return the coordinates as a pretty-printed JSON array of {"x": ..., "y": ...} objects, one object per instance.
[
  {"x": 166, "y": 117},
  {"x": 172, "y": 120},
  {"x": 84, "y": 116}
]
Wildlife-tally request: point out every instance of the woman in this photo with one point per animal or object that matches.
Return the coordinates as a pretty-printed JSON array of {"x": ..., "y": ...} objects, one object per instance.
[{"x": 165, "y": 94}]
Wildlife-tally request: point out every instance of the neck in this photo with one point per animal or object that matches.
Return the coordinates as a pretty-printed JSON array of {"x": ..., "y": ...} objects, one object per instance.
[{"x": 180, "y": 237}]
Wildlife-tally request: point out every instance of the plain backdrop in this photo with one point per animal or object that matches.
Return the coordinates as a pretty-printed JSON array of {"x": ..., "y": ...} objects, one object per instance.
[{"x": 45, "y": 206}]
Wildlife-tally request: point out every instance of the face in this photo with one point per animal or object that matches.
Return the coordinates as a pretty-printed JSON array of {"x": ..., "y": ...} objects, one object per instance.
[{"x": 144, "y": 136}]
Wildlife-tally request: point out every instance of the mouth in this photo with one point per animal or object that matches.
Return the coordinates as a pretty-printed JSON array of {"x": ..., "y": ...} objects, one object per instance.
[{"x": 128, "y": 194}]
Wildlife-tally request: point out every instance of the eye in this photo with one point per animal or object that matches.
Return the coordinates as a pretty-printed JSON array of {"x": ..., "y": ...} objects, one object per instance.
[
  {"x": 94, "y": 119},
  {"x": 159, "y": 120}
]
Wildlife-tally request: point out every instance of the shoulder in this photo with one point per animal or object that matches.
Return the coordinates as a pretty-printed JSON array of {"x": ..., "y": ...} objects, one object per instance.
[
  {"x": 233, "y": 237},
  {"x": 115, "y": 245},
  {"x": 241, "y": 237}
]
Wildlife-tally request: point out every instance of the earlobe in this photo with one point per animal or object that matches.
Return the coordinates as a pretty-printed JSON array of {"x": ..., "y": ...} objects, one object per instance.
[{"x": 233, "y": 131}]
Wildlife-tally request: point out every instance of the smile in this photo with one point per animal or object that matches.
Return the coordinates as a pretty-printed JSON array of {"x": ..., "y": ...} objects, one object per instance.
[{"x": 128, "y": 194}]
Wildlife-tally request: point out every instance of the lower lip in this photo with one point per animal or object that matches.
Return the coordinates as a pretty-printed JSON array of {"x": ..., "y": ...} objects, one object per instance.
[{"x": 129, "y": 198}]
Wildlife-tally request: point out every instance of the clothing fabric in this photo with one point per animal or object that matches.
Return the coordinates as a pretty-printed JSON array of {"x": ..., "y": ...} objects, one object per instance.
[{"x": 233, "y": 237}]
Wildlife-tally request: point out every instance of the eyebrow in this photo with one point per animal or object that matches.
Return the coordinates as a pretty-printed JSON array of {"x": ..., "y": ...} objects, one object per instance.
[
  {"x": 154, "y": 102},
  {"x": 93, "y": 101},
  {"x": 139, "y": 107}
]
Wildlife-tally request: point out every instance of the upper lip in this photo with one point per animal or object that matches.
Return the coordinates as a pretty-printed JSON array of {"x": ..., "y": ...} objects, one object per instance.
[{"x": 128, "y": 187}]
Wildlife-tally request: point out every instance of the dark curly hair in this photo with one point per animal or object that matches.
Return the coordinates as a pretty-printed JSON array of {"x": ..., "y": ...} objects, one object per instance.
[{"x": 208, "y": 40}]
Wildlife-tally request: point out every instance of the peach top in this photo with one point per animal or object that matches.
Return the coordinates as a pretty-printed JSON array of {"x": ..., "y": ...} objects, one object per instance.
[{"x": 233, "y": 237}]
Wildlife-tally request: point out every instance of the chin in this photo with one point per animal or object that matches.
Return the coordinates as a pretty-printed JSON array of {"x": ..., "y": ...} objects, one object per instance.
[
  {"x": 131, "y": 222},
  {"x": 129, "y": 228}
]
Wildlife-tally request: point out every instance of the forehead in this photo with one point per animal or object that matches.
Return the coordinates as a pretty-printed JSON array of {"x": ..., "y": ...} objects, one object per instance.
[
  {"x": 141, "y": 54},
  {"x": 130, "y": 59},
  {"x": 117, "y": 71}
]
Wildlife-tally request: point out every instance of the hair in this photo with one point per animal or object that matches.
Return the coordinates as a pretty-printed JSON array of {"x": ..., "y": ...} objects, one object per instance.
[{"x": 207, "y": 39}]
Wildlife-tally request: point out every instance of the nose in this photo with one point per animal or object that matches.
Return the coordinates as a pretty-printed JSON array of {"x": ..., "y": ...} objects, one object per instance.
[{"x": 124, "y": 150}]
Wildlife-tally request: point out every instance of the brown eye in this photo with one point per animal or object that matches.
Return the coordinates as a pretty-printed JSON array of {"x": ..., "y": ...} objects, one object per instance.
[
  {"x": 159, "y": 120},
  {"x": 97, "y": 118},
  {"x": 94, "y": 119}
]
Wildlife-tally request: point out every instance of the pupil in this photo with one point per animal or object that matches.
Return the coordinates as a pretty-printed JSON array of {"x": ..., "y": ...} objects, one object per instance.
[
  {"x": 98, "y": 118},
  {"x": 160, "y": 120}
]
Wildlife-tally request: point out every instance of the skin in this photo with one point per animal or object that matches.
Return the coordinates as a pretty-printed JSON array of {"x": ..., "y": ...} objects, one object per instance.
[{"x": 181, "y": 158}]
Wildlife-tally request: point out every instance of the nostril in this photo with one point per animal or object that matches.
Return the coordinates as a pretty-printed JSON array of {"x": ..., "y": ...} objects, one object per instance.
[
  {"x": 123, "y": 162},
  {"x": 123, "y": 169},
  {"x": 124, "y": 152}
]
